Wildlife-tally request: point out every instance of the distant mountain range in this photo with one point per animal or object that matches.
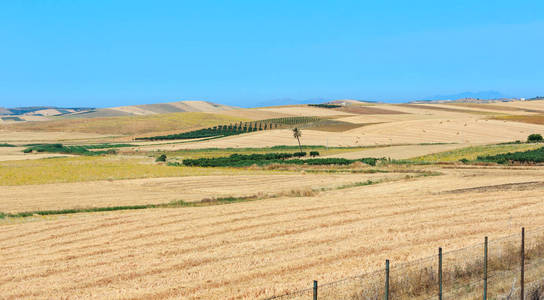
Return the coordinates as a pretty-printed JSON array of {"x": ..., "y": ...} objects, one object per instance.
[
  {"x": 85, "y": 112},
  {"x": 42, "y": 110},
  {"x": 46, "y": 113},
  {"x": 470, "y": 95}
]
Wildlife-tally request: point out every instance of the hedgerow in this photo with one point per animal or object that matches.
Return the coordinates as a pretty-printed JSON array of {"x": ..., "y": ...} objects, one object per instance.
[
  {"x": 326, "y": 105},
  {"x": 535, "y": 138},
  {"x": 299, "y": 154},
  {"x": 529, "y": 156},
  {"x": 7, "y": 145},
  {"x": 216, "y": 131},
  {"x": 233, "y": 129},
  {"x": 80, "y": 150},
  {"x": 239, "y": 160},
  {"x": 293, "y": 120}
]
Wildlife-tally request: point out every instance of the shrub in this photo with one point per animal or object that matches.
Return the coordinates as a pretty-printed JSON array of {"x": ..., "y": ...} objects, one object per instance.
[
  {"x": 299, "y": 154},
  {"x": 239, "y": 160},
  {"x": 81, "y": 150},
  {"x": 529, "y": 156},
  {"x": 314, "y": 153},
  {"x": 292, "y": 120},
  {"x": 534, "y": 138},
  {"x": 325, "y": 105},
  {"x": 162, "y": 158}
]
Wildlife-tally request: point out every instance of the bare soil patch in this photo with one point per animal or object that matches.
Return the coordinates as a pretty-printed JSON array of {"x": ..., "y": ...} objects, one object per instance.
[{"x": 519, "y": 186}]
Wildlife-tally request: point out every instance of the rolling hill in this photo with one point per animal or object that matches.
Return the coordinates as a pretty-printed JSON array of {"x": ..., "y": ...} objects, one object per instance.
[
  {"x": 132, "y": 110},
  {"x": 153, "y": 109}
]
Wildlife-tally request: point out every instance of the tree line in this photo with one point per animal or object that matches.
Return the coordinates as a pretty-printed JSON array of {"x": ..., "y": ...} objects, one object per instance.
[
  {"x": 241, "y": 160},
  {"x": 234, "y": 129}
]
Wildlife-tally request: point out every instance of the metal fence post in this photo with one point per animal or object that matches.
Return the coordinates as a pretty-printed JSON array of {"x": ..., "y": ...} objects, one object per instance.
[
  {"x": 315, "y": 289},
  {"x": 439, "y": 273},
  {"x": 386, "y": 297},
  {"x": 522, "y": 280},
  {"x": 485, "y": 268}
]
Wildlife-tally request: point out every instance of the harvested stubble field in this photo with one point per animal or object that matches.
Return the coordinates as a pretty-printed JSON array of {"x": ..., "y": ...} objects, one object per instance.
[
  {"x": 398, "y": 151},
  {"x": 164, "y": 190},
  {"x": 35, "y": 137},
  {"x": 128, "y": 125},
  {"x": 458, "y": 130},
  {"x": 472, "y": 152},
  {"x": 261, "y": 248},
  {"x": 16, "y": 153},
  {"x": 323, "y": 224}
]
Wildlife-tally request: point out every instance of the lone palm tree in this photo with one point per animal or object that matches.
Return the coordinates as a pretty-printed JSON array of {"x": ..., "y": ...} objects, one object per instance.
[{"x": 297, "y": 134}]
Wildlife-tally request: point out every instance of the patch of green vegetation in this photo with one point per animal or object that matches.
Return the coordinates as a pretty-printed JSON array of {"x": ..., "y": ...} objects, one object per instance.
[
  {"x": 7, "y": 145},
  {"x": 233, "y": 129},
  {"x": 80, "y": 150},
  {"x": 314, "y": 153},
  {"x": 524, "y": 157},
  {"x": 407, "y": 162},
  {"x": 535, "y": 138},
  {"x": 240, "y": 160},
  {"x": 326, "y": 105},
  {"x": 216, "y": 152},
  {"x": 293, "y": 120},
  {"x": 216, "y": 131},
  {"x": 472, "y": 152},
  {"x": 84, "y": 168}
]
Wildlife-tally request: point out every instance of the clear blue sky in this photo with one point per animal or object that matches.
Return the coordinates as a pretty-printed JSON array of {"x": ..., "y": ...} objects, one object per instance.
[{"x": 107, "y": 53}]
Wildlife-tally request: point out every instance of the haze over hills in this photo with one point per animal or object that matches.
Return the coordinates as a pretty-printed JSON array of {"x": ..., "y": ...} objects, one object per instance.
[
  {"x": 470, "y": 95},
  {"x": 140, "y": 110}
]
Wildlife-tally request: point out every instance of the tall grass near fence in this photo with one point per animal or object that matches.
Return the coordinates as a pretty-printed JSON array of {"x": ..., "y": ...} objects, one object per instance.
[{"x": 465, "y": 275}]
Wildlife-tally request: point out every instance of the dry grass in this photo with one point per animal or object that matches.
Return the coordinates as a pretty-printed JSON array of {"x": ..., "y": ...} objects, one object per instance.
[
  {"x": 130, "y": 125},
  {"x": 257, "y": 249},
  {"x": 366, "y": 110},
  {"x": 163, "y": 190},
  {"x": 255, "y": 114},
  {"x": 84, "y": 168},
  {"x": 456, "y": 130},
  {"x": 487, "y": 106},
  {"x": 473, "y": 152},
  {"x": 16, "y": 153},
  {"x": 306, "y": 111},
  {"x": 447, "y": 108},
  {"x": 398, "y": 152},
  {"x": 37, "y": 136}
]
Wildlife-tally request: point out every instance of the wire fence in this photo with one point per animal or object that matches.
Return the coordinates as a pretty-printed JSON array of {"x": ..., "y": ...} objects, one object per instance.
[{"x": 502, "y": 268}]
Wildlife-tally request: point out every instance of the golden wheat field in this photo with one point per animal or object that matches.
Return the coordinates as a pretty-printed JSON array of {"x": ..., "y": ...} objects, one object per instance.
[
  {"x": 261, "y": 248},
  {"x": 257, "y": 231},
  {"x": 163, "y": 190}
]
